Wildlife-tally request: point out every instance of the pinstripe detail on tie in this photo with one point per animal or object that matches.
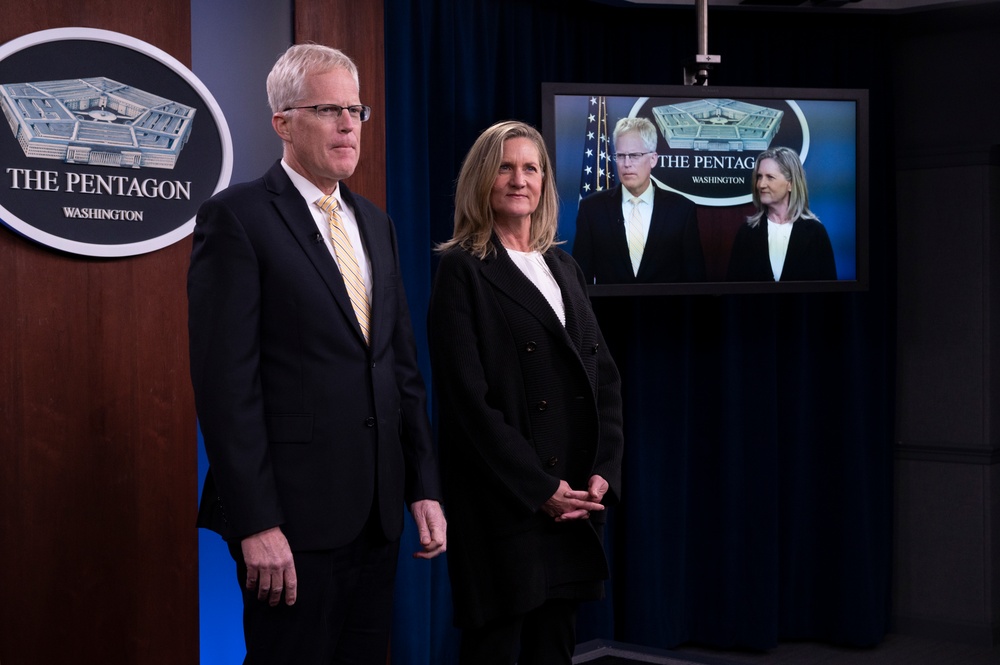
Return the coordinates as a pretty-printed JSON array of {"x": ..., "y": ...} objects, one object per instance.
[{"x": 348, "y": 264}]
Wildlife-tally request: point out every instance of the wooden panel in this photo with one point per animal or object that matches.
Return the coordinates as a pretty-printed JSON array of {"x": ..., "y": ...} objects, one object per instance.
[
  {"x": 357, "y": 29},
  {"x": 98, "y": 456}
]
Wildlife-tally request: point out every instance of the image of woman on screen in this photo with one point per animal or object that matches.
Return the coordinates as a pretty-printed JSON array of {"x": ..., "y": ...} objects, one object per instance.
[
  {"x": 784, "y": 240},
  {"x": 530, "y": 412}
]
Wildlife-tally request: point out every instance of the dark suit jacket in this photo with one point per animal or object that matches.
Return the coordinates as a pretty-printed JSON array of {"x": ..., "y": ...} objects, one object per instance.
[
  {"x": 673, "y": 247},
  {"x": 301, "y": 420},
  {"x": 523, "y": 402},
  {"x": 809, "y": 256}
]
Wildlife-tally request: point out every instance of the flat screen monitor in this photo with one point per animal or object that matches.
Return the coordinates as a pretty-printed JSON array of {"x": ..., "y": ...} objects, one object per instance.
[{"x": 707, "y": 144}]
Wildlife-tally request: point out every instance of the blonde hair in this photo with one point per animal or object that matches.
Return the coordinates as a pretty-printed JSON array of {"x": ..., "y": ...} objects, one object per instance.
[
  {"x": 474, "y": 217},
  {"x": 790, "y": 167}
]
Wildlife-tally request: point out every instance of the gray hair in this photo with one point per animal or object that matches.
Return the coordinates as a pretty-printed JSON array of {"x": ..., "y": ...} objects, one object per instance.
[
  {"x": 286, "y": 81},
  {"x": 642, "y": 126}
]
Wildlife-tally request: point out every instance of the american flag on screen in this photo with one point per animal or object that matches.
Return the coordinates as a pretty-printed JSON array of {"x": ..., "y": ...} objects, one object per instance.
[{"x": 597, "y": 172}]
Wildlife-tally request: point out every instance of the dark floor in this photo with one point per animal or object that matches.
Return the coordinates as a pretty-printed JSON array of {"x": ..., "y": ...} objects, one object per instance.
[{"x": 894, "y": 650}]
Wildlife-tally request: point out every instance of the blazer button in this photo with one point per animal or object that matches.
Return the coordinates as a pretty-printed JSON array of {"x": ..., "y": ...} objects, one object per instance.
[
  {"x": 594, "y": 350},
  {"x": 370, "y": 421},
  {"x": 530, "y": 346},
  {"x": 552, "y": 461},
  {"x": 542, "y": 405}
]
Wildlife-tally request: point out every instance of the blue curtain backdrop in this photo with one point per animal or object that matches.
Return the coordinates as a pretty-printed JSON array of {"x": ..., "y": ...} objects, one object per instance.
[{"x": 757, "y": 478}]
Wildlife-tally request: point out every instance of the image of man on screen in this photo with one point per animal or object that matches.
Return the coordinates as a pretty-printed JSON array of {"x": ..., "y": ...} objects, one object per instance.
[{"x": 637, "y": 232}]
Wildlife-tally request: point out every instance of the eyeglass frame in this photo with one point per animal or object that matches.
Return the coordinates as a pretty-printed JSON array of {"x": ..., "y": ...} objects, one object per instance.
[
  {"x": 630, "y": 156},
  {"x": 364, "y": 111}
]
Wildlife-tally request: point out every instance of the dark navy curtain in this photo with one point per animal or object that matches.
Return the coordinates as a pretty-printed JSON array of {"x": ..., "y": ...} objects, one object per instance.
[{"x": 757, "y": 480}]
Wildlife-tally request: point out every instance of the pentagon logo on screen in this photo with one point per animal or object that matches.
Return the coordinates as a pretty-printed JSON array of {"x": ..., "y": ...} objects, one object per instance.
[{"x": 718, "y": 124}]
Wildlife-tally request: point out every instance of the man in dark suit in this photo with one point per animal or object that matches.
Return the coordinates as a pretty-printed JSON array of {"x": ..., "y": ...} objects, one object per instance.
[
  {"x": 306, "y": 383},
  {"x": 636, "y": 232}
]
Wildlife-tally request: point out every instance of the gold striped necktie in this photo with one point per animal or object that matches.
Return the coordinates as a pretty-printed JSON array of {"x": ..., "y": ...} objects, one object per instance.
[{"x": 348, "y": 263}]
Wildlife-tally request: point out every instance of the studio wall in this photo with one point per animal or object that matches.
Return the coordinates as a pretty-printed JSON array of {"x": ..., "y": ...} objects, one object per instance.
[
  {"x": 947, "y": 471},
  {"x": 97, "y": 443},
  {"x": 98, "y": 479}
]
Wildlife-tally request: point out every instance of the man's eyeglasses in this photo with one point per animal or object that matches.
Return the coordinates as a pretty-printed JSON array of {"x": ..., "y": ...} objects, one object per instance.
[
  {"x": 631, "y": 156},
  {"x": 332, "y": 111}
]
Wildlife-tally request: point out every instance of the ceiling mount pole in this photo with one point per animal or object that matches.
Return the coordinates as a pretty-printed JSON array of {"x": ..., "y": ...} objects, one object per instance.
[{"x": 696, "y": 70}]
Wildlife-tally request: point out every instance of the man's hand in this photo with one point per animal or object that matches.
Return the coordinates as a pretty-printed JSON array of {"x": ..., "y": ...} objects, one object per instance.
[
  {"x": 270, "y": 566},
  {"x": 569, "y": 504},
  {"x": 432, "y": 526}
]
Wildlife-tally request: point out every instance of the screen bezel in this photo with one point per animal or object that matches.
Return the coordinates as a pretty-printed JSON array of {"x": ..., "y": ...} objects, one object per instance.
[{"x": 551, "y": 90}]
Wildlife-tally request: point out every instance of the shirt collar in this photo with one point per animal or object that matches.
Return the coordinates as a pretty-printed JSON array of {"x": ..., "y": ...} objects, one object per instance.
[
  {"x": 310, "y": 192},
  {"x": 645, "y": 197}
]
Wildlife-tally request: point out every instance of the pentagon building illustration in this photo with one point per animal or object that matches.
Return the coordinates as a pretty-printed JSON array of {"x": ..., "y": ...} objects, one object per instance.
[
  {"x": 96, "y": 121},
  {"x": 718, "y": 124}
]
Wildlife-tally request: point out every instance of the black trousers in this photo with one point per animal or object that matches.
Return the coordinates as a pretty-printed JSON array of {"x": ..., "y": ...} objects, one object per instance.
[
  {"x": 343, "y": 612},
  {"x": 544, "y": 636}
]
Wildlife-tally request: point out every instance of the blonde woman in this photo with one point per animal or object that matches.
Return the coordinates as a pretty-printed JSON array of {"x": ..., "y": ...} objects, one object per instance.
[
  {"x": 529, "y": 407},
  {"x": 783, "y": 241}
]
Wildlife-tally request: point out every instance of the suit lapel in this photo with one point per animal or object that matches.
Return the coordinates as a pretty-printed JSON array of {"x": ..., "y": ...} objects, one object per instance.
[
  {"x": 378, "y": 262},
  {"x": 761, "y": 250},
  {"x": 619, "y": 240},
  {"x": 295, "y": 214},
  {"x": 657, "y": 229},
  {"x": 501, "y": 271},
  {"x": 799, "y": 246},
  {"x": 562, "y": 273}
]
